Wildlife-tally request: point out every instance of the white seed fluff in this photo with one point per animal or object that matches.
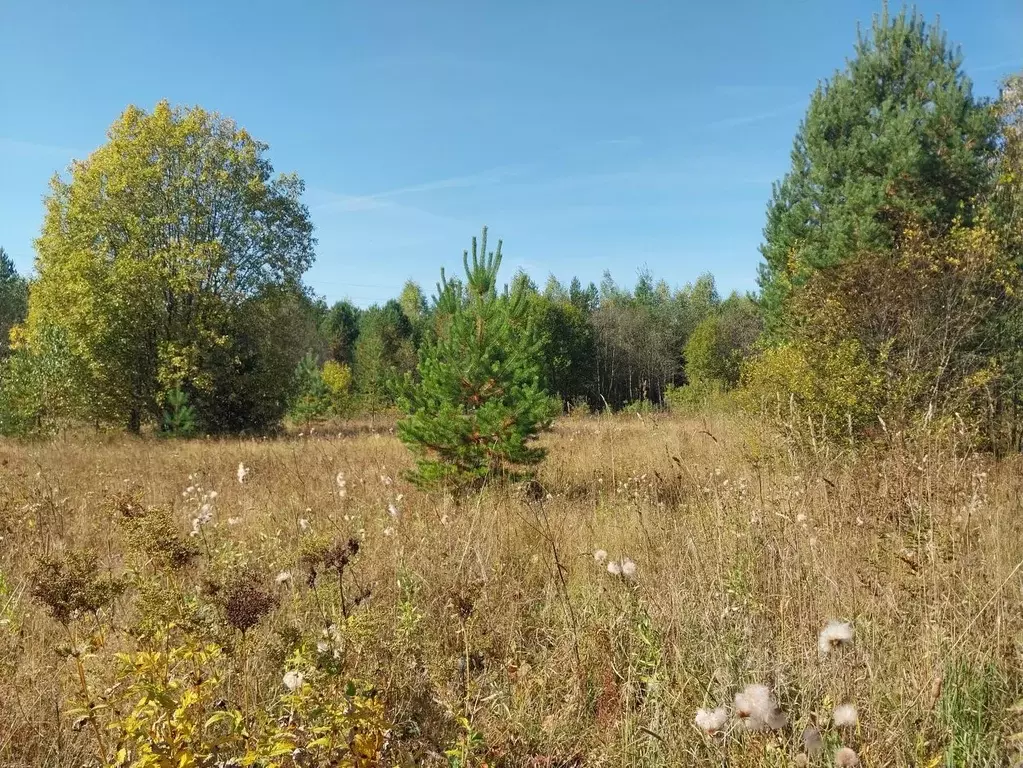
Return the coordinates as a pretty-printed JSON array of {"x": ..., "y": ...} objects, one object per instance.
[
  {"x": 757, "y": 709},
  {"x": 293, "y": 680},
  {"x": 812, "y": 741},
  {"x": 834, "y": 635},
  {"x": 846, "y": 758},
  {"x": 845, "y": 716},
  {"x": 711, "y": 720}
]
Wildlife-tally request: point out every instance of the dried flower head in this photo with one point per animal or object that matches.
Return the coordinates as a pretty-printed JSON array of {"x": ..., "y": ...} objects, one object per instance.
[
  {"x": 342, "y": 485},
  {"x": 293, "y": 680},
  {"x": 812, "y": 741},
  {"x": 243, "y": 472},
  {"x": 834, "y": 635},
  {"x": 246, "y": 600},
  {"x": 331, "y": 642},
  {"x": 340, "y": 553},
  {"x": 711, "y": 721},
  {"x": 757, "y": 709},
  {"x": 628, "y": 568},
  {"x": 599, "y": 556},
  {"x": 283, "y": 577},
  {"x": 846, "y": 758},
  {"x": 614, "y": 568},
  {"x": 845, "y": 716}
]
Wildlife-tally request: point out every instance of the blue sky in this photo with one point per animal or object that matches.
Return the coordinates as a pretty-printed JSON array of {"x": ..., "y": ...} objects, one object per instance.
[{"x": 588, "y": 135}]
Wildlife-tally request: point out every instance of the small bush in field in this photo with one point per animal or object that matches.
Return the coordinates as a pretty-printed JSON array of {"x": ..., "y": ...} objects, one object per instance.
[
  {"x": 700, "y": 396},
  {"x": 150, "y": 531},
  {"x": 830, "y": 384},
  {"x": 70, "y": 585},
  {"x": 337, "y": 378},
  {"x": 174, "y": 715}
]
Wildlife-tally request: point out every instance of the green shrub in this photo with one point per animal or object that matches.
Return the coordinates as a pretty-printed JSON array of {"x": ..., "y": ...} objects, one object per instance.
[
  {"x": 699, "y": 395},
  {"x": 40, "y": 384},
  {"x": 831, "y": 385},
  {"x": 337, "y": 379}
]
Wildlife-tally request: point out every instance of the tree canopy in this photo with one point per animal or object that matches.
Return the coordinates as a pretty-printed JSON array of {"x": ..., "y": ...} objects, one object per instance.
[
  {"x": 157, "y": 249},
  {"x": 13, "y": 300},
  {"x": 896, "y": 134}
]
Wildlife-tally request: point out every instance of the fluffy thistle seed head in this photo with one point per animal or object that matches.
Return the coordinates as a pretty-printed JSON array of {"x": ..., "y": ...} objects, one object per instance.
[
  {"x": 757, "y": 709},
  {"x": 845, "y": 716},
  {"x": 835, "y": 635},
  {"x": 812, "y": 741},
  {"x": 846, "y": 758},
  {"x": 711, "y": 721},
  {"x": 293, "y": 680},
  {"x": 599, "y": 556}
]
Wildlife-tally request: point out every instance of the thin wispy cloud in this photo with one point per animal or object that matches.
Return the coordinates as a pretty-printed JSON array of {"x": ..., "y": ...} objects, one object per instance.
[
  {"x": 759, "y": 117},
  {"x": 353, "y": 203},
  {"x": 626, "y": 141}
]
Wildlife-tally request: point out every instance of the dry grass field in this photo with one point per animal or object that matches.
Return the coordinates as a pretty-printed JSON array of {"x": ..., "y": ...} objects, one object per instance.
[{"x": 485, "y": 631}]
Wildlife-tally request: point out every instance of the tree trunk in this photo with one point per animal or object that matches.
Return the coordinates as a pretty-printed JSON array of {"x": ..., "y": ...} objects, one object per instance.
[{"x": 135, "y": 420}]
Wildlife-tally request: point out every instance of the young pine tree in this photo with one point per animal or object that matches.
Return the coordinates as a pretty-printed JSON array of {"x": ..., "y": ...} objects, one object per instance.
[{"x": 478, "y": 403}]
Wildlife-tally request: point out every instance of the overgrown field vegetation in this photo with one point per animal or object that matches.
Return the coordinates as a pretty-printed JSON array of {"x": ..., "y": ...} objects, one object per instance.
[
  {"x": 523, "y": 527},
  {"x": 486, "y": 631}
]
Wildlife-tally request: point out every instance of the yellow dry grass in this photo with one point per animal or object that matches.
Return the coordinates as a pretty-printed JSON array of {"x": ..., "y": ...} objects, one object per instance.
[{"x": 743, "y": 551}]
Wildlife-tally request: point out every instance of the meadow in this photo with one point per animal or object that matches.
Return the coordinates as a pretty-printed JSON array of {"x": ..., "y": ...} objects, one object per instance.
[{"x": 658, "y": 565}]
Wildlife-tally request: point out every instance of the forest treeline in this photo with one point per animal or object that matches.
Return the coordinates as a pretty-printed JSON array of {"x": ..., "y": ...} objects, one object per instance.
[{"x": 168, "y": 291}]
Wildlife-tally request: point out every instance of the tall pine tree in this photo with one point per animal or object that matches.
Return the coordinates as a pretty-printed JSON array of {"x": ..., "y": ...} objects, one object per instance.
[
  {"x": 13, "y": 300},
  {"x": 896, "y": 136},
  {"x": 478, "y": 404}
]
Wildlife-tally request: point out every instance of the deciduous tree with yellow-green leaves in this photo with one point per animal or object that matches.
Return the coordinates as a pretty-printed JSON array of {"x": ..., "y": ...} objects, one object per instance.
[{"x": 157, "y": 254}]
